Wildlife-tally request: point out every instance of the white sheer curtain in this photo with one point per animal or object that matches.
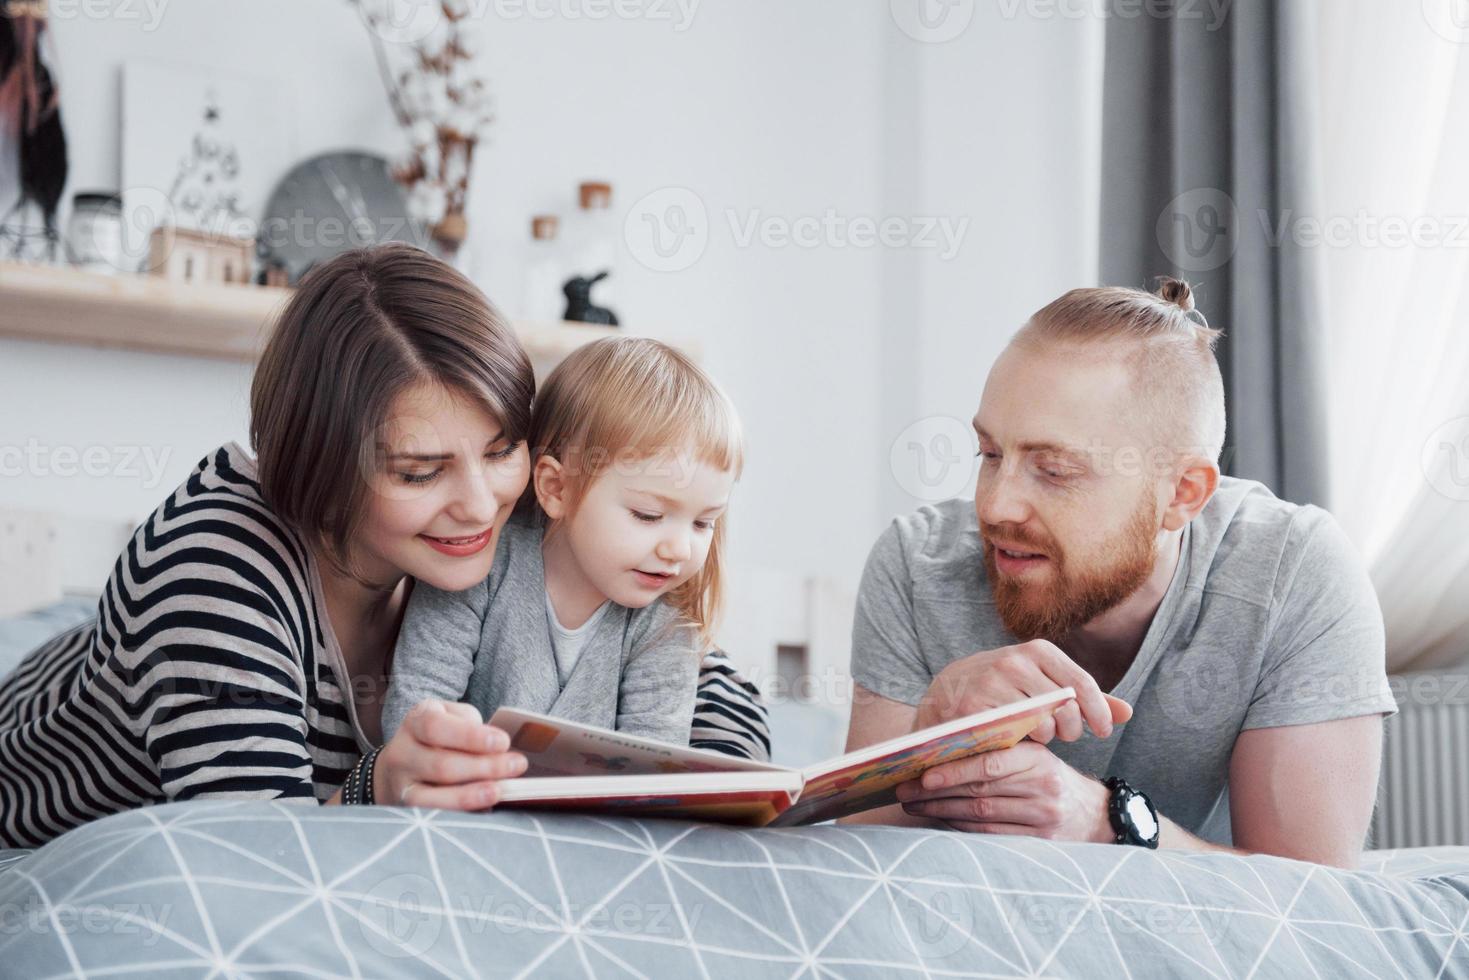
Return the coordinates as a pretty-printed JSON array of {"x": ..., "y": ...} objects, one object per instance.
[{"x": 1395, "y": 165}]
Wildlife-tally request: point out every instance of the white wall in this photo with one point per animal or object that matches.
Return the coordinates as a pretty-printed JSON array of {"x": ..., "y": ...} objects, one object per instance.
[
  {"x": 1000, "y": 125},
  {"x": 787, "y": 109}
]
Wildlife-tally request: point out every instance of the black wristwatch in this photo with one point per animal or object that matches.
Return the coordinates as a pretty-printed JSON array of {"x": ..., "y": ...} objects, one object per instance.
[{"x": 1133, "y": 816}]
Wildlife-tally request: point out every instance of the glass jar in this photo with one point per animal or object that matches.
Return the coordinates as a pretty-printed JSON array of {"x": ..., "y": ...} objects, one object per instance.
[{"x": 94, "y": 233}]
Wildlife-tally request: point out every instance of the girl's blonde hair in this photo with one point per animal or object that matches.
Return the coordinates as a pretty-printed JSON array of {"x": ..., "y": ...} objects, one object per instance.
[{"x": 624, "y": 398}]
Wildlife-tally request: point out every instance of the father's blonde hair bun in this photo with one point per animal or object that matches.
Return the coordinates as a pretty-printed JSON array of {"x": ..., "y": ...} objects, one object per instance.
[
  {"x": 1177, "y": 292},
  {"x": 1167, "y": 343}
]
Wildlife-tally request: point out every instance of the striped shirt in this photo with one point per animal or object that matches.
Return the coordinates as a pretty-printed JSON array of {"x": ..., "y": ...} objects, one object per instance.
[{"x": 211, "y": 672}]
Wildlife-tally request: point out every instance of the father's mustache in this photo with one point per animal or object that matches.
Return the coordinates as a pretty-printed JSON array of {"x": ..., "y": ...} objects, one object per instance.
[{"x": 1017, "y": 537}]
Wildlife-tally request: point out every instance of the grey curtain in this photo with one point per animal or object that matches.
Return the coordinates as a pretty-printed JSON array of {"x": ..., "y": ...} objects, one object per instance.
[{"x": 1208, "y": 135}]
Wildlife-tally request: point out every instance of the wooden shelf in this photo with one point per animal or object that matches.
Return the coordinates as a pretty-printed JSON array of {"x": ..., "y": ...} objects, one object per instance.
[{"x": 63, "y": 305}]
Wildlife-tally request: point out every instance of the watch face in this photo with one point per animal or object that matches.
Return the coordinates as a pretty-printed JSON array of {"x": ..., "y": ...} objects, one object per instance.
[{"x": 1142, "y": 817}]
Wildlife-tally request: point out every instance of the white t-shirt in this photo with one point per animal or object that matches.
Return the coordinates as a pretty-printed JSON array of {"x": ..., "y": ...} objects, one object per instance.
[{"x": 568, "y": 643}]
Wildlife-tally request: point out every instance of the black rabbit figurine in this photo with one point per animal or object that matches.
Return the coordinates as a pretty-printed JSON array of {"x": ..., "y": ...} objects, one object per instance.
[{"x": 579, "y": 305}]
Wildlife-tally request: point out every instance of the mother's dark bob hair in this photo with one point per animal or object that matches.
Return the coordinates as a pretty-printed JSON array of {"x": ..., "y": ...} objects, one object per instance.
[{"x": 361, "y": 329}]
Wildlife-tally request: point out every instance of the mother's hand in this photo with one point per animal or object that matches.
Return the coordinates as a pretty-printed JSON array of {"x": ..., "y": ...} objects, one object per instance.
[{"x": 445, "y": 756}]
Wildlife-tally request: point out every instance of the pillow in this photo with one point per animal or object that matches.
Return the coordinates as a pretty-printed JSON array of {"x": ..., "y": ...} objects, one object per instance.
[{"x": 19, "y": 635}]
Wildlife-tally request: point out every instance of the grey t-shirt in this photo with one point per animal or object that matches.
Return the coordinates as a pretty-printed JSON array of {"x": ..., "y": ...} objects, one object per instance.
[
  {"x": 491, "y": 646},
  {"x": 1270, "y": 620}
]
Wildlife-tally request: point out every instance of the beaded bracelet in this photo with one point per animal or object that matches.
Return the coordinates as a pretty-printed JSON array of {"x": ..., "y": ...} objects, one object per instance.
[{"x": 357, "y": 790}]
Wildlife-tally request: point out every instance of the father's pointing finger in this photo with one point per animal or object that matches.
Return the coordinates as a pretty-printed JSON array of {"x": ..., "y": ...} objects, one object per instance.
[{"x": 1065, "y": 672}]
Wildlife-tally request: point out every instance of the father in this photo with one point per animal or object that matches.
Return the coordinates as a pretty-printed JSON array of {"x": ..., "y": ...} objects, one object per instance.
[{"x": 1237, "y": 636}]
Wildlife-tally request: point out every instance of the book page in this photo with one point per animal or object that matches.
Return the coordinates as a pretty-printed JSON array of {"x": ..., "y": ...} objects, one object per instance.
[
  {"x": 865, "y": 785},
  {"x": 556, "y": 747}
]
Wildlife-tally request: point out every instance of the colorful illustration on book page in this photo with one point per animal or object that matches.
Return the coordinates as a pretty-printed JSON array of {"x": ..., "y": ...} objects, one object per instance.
[{"x": 873, "y": 784}]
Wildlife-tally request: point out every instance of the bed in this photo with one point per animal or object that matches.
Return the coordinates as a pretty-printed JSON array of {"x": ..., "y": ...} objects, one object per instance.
[
  {"x": 274, "y": 889},
  {"x": 265, "y": 888}
]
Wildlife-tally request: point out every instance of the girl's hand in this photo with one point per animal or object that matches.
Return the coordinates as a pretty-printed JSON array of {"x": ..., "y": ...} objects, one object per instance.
[{"x": 444, "y": 756}]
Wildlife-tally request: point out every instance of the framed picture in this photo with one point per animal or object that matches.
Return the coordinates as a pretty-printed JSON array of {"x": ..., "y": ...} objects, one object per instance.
[{"x": 201, "y": 150}]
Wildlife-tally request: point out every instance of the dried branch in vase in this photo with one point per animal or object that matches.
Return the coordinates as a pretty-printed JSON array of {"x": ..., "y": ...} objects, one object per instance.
[{"x": 426, "y": 59}]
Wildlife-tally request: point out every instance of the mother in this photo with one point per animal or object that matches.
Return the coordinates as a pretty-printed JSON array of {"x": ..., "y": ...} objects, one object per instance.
[{"x": 242, "y": 645}]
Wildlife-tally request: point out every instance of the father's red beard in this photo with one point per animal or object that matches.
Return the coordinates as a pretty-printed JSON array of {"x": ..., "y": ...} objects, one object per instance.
[{"x": 1068, "y": 597}]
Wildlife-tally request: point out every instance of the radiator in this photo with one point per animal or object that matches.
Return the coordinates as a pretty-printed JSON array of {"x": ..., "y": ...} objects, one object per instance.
[{"x": 1423, "y": 796}]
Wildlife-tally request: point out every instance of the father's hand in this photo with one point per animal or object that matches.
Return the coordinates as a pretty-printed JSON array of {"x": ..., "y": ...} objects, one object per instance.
[
  {"x": 993, "y": 678},
  {"x": 1024, "y": 789}
]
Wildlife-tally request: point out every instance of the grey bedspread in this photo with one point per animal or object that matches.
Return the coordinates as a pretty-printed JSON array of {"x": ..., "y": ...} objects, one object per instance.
[{"x": 265, "y": 889}]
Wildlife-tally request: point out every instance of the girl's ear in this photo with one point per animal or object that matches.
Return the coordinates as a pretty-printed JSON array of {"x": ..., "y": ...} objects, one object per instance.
[{"x": 550, "y": 484}]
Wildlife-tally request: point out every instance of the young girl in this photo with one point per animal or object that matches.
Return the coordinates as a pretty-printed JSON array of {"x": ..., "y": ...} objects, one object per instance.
[{"x": 607, "y": 582}]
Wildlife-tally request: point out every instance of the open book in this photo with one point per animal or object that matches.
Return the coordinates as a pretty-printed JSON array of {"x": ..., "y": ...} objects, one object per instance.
[{"x": 583, "y": 768}]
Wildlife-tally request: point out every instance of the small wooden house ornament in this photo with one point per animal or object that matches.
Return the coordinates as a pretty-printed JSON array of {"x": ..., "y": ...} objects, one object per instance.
[{"x": 185, "y": 255}]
